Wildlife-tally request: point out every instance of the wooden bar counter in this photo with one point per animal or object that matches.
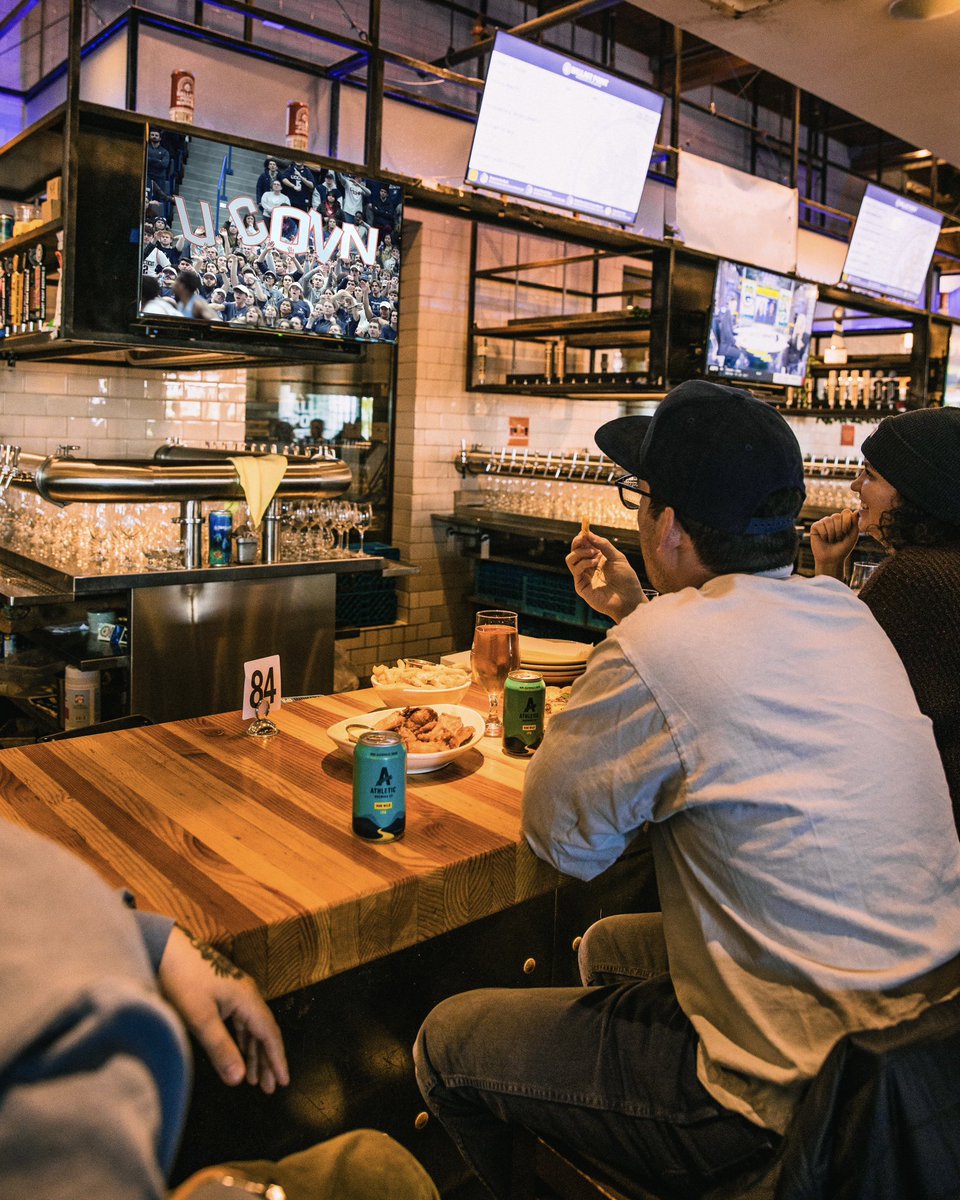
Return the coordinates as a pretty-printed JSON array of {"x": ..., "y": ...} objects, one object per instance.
[{"x": 248, "y": 841}]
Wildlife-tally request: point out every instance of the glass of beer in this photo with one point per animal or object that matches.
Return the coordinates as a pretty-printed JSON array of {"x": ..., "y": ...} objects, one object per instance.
[{"x": 495, "y": 653}]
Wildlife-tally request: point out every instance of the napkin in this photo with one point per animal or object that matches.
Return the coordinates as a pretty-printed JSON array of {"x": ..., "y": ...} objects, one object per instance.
[{"x": 259, "y": 477}]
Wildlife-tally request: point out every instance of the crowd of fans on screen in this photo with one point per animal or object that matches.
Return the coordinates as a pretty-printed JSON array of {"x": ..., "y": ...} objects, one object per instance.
[{"x": 267, "y": 287}]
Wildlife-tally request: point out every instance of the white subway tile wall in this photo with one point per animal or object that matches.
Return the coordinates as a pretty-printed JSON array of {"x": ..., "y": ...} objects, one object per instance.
[{"x": 117, "y": 412}]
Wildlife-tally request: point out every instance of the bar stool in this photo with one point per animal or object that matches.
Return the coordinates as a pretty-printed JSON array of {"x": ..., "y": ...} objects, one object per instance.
[{"x": 881, "y": 1121}]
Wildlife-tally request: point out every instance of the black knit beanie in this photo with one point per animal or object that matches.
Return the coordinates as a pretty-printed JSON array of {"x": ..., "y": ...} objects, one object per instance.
[{"x": 919, "y": 453}]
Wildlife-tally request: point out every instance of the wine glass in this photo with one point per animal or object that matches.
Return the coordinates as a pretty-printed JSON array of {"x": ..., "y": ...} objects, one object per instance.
[
  {"x": 343, "y": 519},
  {"x": 495, "y": 653},
  {"x": 362, "y": 518},
  {"x": 860, "y": 572}
]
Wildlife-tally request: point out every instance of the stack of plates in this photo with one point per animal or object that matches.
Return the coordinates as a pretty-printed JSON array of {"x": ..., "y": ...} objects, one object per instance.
[{"x": 558, "y": 662}]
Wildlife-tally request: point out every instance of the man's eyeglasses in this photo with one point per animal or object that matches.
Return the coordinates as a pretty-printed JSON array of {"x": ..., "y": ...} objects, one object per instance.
[{"x": 629, "y": 487}]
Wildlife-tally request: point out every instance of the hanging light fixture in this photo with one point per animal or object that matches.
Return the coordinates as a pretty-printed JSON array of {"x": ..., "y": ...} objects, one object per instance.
[{"x": 923, "y": 10}]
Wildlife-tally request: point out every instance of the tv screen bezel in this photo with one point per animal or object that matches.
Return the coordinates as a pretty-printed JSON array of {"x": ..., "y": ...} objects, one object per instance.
[
  {"x": 522, "y": 195},
  {"x": 253, "y": 339},
  {"x": 739, "y": 376},
  {"x": 880, "y": 291}
]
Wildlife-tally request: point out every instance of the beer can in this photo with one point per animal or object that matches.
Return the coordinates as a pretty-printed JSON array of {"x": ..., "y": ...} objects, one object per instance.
[
  {"x": 524, "y": 694},
  {"x": 298, "y": 125},
  {"x": 221, "y": 534},
  {"x": 6, "y": 226},
  {"x": 182, "y": 96},
  {"x": 380, "y": 787}
]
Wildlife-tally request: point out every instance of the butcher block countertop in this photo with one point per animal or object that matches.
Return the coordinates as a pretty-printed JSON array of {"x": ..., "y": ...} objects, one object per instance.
[{"x": 248, "y": 842}]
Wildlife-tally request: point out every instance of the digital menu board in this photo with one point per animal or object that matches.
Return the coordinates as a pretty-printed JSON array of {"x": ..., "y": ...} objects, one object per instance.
[
  {"x": 760, "y": 326},
  {"x": 559, "y": 131},
  {"x": 892, "y": 245}
]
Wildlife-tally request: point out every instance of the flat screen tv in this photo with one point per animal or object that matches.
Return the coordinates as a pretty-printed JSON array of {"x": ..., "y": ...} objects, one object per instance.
[
  {"x": 951, "y": 389},
  {"x": 558, "y": 131},
  {"x": 760, "y": 325},
  {"x": 267, "y": 244},
  {"x": 892, "y": 245}
]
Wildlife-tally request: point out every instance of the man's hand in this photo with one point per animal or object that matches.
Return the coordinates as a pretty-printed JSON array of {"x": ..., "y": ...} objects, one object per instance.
[
  {"x": 832, "y": 539},
  {"x": 207, "y": 990},
  {"x": 620, "y": 592}
]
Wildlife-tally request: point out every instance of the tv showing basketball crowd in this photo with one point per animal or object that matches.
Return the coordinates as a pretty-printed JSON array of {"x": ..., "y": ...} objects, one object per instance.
[
  {"x": 308, "y": 251},
  {"x": 760, "y": 326}
]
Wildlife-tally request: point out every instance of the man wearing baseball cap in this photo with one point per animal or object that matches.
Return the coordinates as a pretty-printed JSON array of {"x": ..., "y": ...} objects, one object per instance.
[{"x": 760, "y": 727}]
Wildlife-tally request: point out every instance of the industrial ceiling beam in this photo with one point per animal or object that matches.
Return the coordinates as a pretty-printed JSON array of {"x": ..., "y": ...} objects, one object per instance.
[
  {"x": 712, "y": 67},
  {"x": 559, "y": 16}
]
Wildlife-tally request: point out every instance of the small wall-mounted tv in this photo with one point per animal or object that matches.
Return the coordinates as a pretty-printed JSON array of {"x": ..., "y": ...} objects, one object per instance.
[
  {"x": 559, "y": 131},
  {"x": 267, "y": 243},
  {"x": 892, "y": 245},
  {"x": 760, "y": 325}
]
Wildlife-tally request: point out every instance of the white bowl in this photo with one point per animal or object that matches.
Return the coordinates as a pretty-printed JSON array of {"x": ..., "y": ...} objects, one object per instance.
[
  {"x": 402, "y": 695},
  {"x": 345, "y": 733}
]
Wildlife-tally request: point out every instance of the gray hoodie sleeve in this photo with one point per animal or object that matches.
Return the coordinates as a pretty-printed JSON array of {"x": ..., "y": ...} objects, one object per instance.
[
  {"x": 154, "y": 929},
  {"x": 94, "y": 1064}
]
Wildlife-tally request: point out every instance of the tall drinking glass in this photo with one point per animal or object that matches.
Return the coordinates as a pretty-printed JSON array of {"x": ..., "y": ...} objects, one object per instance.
[{"x": 495, "y": 653}]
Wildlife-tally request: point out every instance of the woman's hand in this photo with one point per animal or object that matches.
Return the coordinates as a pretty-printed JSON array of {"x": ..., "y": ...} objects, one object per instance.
[
  {"x": 620, "y": 592},
  {"x": 832, "y": 540}
]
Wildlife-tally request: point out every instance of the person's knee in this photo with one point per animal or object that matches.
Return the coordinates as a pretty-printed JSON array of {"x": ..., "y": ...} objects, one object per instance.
[
  {"x": 440, "y": 1033},
  {"x": 594, "y": 950},
  {"x": 630, "y": 945}
]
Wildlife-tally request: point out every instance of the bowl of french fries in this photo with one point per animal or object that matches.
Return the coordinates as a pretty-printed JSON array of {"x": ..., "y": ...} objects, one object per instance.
[{"x": 412, "y": 682}]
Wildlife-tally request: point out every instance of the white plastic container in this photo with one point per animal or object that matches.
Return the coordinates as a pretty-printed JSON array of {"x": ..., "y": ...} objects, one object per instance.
[{"x": 81, "y": 698}]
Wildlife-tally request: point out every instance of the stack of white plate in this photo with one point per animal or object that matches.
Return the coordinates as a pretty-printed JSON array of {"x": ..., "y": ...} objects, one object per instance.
[{"x": 559, "y": 662}]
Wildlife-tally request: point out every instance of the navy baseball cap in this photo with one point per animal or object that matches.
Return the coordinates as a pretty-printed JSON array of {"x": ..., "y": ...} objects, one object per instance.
[{"x": 712, "y": 453}]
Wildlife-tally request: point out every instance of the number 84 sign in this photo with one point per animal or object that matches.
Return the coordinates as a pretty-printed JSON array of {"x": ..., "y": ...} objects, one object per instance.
[{"x": 261, "y": 686}]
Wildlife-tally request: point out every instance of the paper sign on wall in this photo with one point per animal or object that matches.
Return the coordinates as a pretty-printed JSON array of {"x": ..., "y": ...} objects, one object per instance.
[
  {"x": 261, "y": 686},
  {"x": 519, "y": 431}
]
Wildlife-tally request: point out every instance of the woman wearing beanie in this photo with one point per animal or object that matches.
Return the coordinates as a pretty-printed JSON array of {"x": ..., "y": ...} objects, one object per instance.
[{"x": 909, "y": 492}]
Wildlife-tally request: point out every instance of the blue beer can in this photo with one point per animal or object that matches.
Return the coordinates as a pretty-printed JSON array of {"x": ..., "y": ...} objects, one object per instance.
[
  {"x": 380, "y": 787},
  {"x": 221, "y": 534}
]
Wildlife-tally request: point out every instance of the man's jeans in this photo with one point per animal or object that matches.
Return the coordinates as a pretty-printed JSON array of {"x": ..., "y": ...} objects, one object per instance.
[{"x": 610, "y": 1072}]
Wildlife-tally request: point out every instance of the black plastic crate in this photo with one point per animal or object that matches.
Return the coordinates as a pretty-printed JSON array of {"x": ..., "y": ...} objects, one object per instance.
[
  {"x": 375, "y": 606},
  {"x": 549, "y": 595},
  {"x": 499, "y": 582},
  {"x": 366, "y": 598}
]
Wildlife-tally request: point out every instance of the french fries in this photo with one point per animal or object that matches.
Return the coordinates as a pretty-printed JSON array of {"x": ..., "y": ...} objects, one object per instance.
[
  {"x": 599, "y": 579},
  {"x": 405, "y": 675}
]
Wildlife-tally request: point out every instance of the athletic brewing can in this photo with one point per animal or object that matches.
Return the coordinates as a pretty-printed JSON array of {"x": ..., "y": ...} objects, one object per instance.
[
  {"x": 221, "y": 532},
  {"x": 523, "y": 698},
  {"x": 379, "y": 787}
]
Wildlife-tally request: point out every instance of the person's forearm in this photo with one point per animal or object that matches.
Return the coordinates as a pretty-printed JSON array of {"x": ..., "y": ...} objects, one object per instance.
[{"x": 831, "y": 566}]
